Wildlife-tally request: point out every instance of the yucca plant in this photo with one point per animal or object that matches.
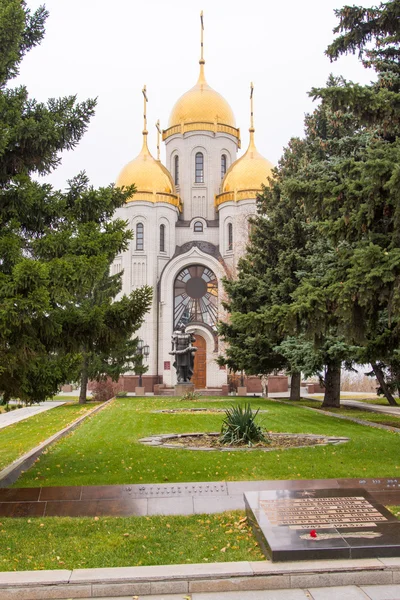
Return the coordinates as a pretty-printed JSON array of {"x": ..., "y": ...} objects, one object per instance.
[{"x": 239, "y": 427}]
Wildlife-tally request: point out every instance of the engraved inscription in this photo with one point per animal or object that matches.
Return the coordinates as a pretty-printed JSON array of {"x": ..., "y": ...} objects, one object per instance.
[{"x": 322, "y": 513}]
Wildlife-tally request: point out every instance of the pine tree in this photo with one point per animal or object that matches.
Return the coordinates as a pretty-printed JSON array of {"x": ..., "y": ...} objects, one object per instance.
[{"x": 55, "y": 248}]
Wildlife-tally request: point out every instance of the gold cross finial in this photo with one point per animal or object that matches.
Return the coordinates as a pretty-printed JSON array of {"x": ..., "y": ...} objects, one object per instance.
[
  {"x": 251, "y": 107},
  {"x": 158, "y": 139},
  {"x": 201, "y": 38},
  {"x": 145, "y": 100}
]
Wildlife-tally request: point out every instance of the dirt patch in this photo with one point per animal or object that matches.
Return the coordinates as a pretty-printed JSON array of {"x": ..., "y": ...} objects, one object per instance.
[
  {"x": 210, "y": 441},
  {"x": 172, "y": 411}
]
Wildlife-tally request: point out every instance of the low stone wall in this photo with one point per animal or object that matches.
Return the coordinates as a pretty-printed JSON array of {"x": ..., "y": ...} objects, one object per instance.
[
  {"x": 196, "y": 578},
  {"x": 130, "y": 382}
]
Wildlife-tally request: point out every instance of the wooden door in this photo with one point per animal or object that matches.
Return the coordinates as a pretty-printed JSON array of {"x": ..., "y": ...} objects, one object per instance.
[{"x": 200, "y": 367}]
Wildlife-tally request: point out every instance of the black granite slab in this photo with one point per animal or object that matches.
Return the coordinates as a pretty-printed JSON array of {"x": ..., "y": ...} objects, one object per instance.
[{"x": 322, "y": 524}]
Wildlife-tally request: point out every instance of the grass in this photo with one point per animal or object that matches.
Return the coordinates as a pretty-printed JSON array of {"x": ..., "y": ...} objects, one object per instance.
[
  {"x": 354, "y": 413},
  {"x": 105, "y": 449},
  {"x": 72, "y": 543},
  {"x": 17, "y": 439},
  {"x": 367, "y": 399}
]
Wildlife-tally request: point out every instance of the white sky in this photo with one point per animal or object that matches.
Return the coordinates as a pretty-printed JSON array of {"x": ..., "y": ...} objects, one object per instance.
[{"x": 108, "y": 50}]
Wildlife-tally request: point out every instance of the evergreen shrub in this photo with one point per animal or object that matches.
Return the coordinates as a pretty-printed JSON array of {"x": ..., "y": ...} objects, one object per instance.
[{"x": 239, "y": 427}]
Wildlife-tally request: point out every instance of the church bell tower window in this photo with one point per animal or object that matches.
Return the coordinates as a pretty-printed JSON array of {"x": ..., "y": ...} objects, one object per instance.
[
  {"x": 199, "y": 166},
  {"x": 198, "y": 227},
  {"x": 176, "y": 170},
  {"x": 223, "y": 166},
  {"x": 230, "y": 237},
  {"x": 162, "y": 238},
  {"x": 140, "y": 236}
]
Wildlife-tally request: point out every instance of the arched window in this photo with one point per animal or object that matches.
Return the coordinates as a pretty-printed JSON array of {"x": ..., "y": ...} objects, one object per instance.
[
  {"x": 230, "y": 237},
  {"x": 198, "y": 227},
  {"x": 162, "y": 238},
  {"x": 196, "y": 296},
  {"x": 176, "y": 170},
  {"x": 223, "y": 165},
  {"x": 199, "y": 168},
  {"x": 139, "y": 236}
]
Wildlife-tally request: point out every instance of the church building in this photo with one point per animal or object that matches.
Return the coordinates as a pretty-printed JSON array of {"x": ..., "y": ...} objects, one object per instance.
[{"x": 190, "y": 221}]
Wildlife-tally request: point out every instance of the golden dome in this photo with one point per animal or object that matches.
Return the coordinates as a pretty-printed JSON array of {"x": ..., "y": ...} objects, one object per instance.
[
  {"x": 246, "y": 176},
  {"x": 201, "y": 109},
  {"x": 152, "y": 180}
]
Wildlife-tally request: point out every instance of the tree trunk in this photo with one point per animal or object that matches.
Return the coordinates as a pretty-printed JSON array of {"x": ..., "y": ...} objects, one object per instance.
[
  {"x": 332, "y": 385},
  {"x": 381, "y": 379},
  {"x": 295, "y": 386},
  {"x": 84, "y": 379}
]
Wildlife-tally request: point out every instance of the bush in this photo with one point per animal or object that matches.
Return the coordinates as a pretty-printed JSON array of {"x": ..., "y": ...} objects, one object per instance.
[
  {"x": 239, "y": 427},
  {"x": 7, "y": 408},
  {"x": 104, "y": 390},
  {"x": 121, "y": 394}
]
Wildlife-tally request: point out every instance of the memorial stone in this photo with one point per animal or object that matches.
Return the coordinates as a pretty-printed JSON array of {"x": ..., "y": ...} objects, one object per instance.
[{"x": 324, "y": 524}]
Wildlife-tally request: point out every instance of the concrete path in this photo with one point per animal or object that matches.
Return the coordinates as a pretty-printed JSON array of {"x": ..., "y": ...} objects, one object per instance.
[
  {"x": 348, "y": 592},
  {"x": 20, "y": 414},
  {"x": 378, "y": 408}
]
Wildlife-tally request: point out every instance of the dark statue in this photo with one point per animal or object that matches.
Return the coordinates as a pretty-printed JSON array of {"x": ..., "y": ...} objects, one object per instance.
[{"x": 184, "y": 351}]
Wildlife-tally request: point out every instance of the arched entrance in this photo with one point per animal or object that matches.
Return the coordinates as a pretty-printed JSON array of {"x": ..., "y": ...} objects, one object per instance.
[{"x": 200, "y": 364}]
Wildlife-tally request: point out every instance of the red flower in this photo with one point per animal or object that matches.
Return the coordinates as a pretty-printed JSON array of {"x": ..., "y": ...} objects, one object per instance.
[{"x": 313, "y": 533}]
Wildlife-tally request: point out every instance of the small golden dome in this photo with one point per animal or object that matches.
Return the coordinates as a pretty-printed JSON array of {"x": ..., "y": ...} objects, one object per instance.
[
  {"x": 249, "y": 171},
  {"x": 246, "y": 176},
  {"x": 201, "y": 109},
  {"x": 152, "y": 180}
]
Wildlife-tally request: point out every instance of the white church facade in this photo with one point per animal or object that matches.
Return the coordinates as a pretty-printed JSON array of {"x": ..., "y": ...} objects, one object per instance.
[{"x": 190, "y": 224}]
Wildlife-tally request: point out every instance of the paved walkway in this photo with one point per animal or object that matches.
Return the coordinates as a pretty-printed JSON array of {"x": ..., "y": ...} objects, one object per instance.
[
  {"x": 20, "y": 414},
  {"x": 348, "y": 592},
  {"x": 169, "y": 499},
  {"x": 378, "y": 408}
]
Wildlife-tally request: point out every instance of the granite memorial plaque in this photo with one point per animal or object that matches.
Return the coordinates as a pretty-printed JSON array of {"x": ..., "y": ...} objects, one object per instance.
[{"x": 324, "y": 523}]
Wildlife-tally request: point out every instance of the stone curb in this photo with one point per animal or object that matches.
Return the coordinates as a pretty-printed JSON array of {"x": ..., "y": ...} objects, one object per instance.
[
  {"x": 186, "y": 579},
  {"x": 10, "y": 474},
  {"x": 159, "y": 440}
]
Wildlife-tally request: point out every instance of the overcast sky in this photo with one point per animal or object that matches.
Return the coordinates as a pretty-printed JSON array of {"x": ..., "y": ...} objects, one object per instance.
[{"x": 108, "y": 50}]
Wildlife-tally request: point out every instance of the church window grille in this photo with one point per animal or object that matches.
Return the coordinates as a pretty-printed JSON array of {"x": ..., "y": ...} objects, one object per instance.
[
  {"x": 196, "y": 296},
  {"x": 139, "y": 236},
  {"x": 176, "y": 170},
  {"x": 223, "y": 165},
  {"x": 198, "y": 227},
  {"x": 199, "y": 172},
  {"x": 230, "y": 237},
  {"x": 162, "y": 238}
]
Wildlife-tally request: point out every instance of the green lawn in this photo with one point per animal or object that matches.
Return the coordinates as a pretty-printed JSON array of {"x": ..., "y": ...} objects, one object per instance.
[
  {"x": 367, "y": 399},
  {"x": 105, "y": 449},
  {"x": 66, "y": 543},
  {"x": 349, "y": 411},
  {"x": 17, "y": 439}
]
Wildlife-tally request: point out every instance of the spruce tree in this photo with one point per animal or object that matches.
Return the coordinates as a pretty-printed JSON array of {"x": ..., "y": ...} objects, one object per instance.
[
  {"x": 361, "y": 210},
  {"x": 55, "y": 248}
]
